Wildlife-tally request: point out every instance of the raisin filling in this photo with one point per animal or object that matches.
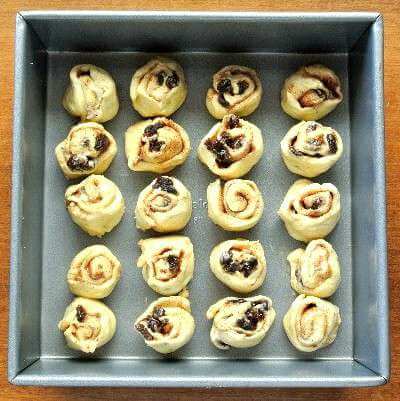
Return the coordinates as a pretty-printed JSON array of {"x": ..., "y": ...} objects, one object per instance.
[
  {"x": 80, "y": 313},
  {"x": 161, "y": 77},
  {"x": 80, "y": 163},
  {"x": 253, "y": 315},
  {"x": 332, "y": 143},
  {"x": 243, "y": 86},
  {"x": 312, "y": 98},
  {"x": 224, "y": 86},
  {"x": 156, "y": 323},
  {"x": 102, "y": 143},
  {"x": 233, "y": 122},
  {"x": 309, "y": 306},
  {"x": 245, "y": 267},
  {"x": 174, "y": 263},
  {"x": 170, "y": 80},
  {"x": 165, "y": 184},
  {"x": 151, "y": 132}
]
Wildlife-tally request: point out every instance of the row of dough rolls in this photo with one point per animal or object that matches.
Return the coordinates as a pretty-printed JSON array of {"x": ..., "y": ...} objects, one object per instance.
[{"x": 159, "y": 88}]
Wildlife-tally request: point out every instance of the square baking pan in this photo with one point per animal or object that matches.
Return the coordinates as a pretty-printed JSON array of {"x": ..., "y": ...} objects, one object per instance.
[{"x": 44, "y": 240}]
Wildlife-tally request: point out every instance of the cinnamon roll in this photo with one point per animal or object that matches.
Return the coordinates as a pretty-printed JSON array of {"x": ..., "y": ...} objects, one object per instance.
[
  {"x": 164, "y": 206},
  {"x": 95, "y": 204},
  {"x": 94, "y": 272},
  {"x": 311, "y": 93},
  {"x": 240, "y": 322},
  {"x": 158, "y": 88},
  {"x": 157, "y": 145},
  {"x": 235, "y": 89},
  {"x": 309, "y": 149},
  {"x": 234, "y": 205},
  {"x": 88, "y": 149},
  {"x": 310, "y": 210},
  {"x": 91, "y": 94},
  {"x": 167, "y": 263},
  {"x": 311, "y": 323},
  {"x": 240, "y": 264},
  {"x": 315, "y": 270},
  {"x": 231, "y": 148},
  {"x": 87, "y": 324},
  {"x": 167, "y": 324}
]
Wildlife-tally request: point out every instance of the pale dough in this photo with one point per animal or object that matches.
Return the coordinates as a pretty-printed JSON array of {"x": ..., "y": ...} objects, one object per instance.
[
  {"x": 95, "y": 204},
  {"x": 235, "y": 90},
  {"x": 310, "y": 210},
  {"x": 91, "y": 94},
  {"x": 311, "y": 323}
]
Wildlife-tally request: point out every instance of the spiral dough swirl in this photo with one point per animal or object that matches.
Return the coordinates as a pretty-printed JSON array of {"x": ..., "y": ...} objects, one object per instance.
[
  {"x": 231, "y": 148},
  {"x": 164, "y": 206},
  {"x": 311, "y": 323},
  {"x": 240, "y": 322},
  {"x": 234, "y": 205},
  {"x": 236, "y": 90},
  {"x": 95, "y": 204},
  {"x": 310, "y": 210},
  {"x": 309, "y": 149},
  {"x": 167, "y": 324},
  {"x": 315, "y": 270},
  {"x": 94, "y": 272},
  {"x": 167, "y": 263},
  {"x": 157, "y": 145},
  {"x": 87, "y": 324}
]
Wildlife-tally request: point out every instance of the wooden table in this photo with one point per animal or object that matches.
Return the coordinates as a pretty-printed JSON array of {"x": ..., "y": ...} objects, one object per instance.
[{"x": 391, "y": 12}]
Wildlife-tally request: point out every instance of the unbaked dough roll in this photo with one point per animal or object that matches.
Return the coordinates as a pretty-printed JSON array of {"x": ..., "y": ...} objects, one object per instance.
[
  {"x": 158, "y": 88},
  {"x": 240, "y": 264},
  {"x": 167, "y": 263},
  {"x": 236, "y": 89},
  {"x": 88, "y": 149},
  {"x": 231, "y": 148},
  {"x": 167, "y": 324},
  {"x": 94, "y": 272},
  {"x": 240, "y": 322},
  {"x": 309, "y": 149},
  {"x": 310, "y": 210},
  {"x": 311, "y": 323},
  {"x": 95, "y": 204},
  {"x": 311, "y": 93},
  {"x": 91, "y": 94},
  {"x": 157, "y": 145},
  {"x": 234, "y": 205},
  {"x": 164, "y": 206},
  {"x": 315, "y": 270},
  {"x": 87, "y": 324}
]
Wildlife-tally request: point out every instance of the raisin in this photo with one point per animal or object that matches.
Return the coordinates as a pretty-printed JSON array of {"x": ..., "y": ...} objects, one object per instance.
[
  {"x": 253, "y": 315},
  {"x": 102, "y": 143},
  {"x": 222, "y": 101},
  {"x": 309, "y": 306},
  {"x": 233, "y": 143},
  {"x": 158, "y": 312},
  {"x": 223, "y": 158},
  {"x": 243, "y": 86},
  {"x": 316, "y": 204},
  {"x": 160, "y": 77},
  {"x": 80, "y": 163},
  {"x": 230, "y": 266},
  {"x": 165, "y": 184},
  {"x": 172, "y": 80},
  {"x": 247, "y": 266},
  {"x": 311, "y": 127},
  {"x": 151, "y": 130},
  {"x": 225, "y": 258},
  {"x": 80, "y": 313},
  {"x": 295, "y": 151},
  {"x": 225, "y": 85},
  {"x": 144, "y": 332},
  {"x": 155, "y": 145},
  {"x": 173, "y": 262},
  {"x": 233, "y": 122},
  {"x": 244, "y": 324},
  {"x": 331, "y": 143}
]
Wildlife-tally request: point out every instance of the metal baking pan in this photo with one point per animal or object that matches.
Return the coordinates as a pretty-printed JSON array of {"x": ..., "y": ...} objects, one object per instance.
[{"x": 44, "y": 240}]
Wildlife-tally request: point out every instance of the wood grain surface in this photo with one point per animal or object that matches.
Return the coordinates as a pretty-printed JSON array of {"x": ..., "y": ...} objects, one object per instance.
[{"x": 390, "y": 9}]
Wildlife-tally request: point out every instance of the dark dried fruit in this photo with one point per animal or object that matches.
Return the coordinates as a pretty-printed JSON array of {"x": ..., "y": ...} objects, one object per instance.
[
  {"x": 245, "y": 267},
  {"x": 243, "y": 86},
  {"x": 295, "y": 151},
  {"x": 80, "y": 313},
  {"x": 144, "y": 332},
  {"x": 253, "y": 315},
  {"x": 172, "y": 80},
  {"x": 158, "y": 312},
  {"x": 233, "y": 122},
  {"x": 102, "y": 143},
  {"x": 316, "y": 204},
  {"x": 232, "y": 142},
  {"x": 81, "y": 73},
  {"x": 151, "y": 130},
  {"x": 79, "y": 163},
  {"x": 223, "y": 158},
  {"x": 222, "y": 101},
  {"x": 225, "y": 85},
  {"x": 311, "y": 127},
  {"x": 332, "y": 143},
  {"x": 155, "y": 323},
  {"x": 165, "y": 184},
  {"x": 160, "y": 77},
  {"x": 312, "y": 98},
  {"x": 309, "y": 306},
  {"x": 173, "y": 262},
  {"x": 155, "y": 145},
  {"x": 237, "y": 301}
]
